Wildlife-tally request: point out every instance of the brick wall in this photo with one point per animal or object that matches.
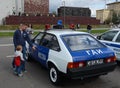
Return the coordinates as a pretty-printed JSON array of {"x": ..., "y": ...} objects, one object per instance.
[
  {"x": 50, "y": 20},
  {"x": 36, "y": 6}
]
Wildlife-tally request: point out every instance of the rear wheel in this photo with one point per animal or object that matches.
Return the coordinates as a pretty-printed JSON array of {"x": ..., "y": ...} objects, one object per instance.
[
  {"x": 28, "y": 57},
  {"x": 54, "y": 75}
]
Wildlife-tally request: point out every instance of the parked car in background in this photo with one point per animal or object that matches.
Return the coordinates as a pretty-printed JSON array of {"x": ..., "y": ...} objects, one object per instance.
[
  {"x": 111, "y": 38},
  {"x": 72, "y": 54}
]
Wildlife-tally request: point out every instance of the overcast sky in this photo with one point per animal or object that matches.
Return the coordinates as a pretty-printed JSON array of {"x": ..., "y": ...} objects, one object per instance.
[{"x": 92, "y": 4}]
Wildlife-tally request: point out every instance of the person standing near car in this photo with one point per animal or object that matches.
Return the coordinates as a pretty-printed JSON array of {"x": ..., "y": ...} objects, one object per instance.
[
  {"x": 29, "y": 30},
  {"x": 89, "y": 28},
  {"x": 19, "y": 38}
]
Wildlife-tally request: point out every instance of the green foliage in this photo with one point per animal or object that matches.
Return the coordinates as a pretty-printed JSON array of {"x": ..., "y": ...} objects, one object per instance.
[
  {"x": 108, "y": 21},
  {"x": 6, "y": 34},
  {"x": 10, "y": 34},
  {"x": 114, "y": 18},
  {"x": 41, "y": 26},
  {"x": 96, "y": 31},
  {"x": 14, "y": 27},
  {"x": 8, "y": 27},
  {"x": 119, "y": 17}
]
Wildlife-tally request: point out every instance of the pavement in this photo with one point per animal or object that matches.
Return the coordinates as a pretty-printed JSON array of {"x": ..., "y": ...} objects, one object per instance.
[{"x": 37, "y": 76}]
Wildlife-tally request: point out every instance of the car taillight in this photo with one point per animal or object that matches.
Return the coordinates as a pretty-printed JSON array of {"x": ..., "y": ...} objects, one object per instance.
[
  {"x": 110, "y": 59},
  {"x": 75, "y": 64}
]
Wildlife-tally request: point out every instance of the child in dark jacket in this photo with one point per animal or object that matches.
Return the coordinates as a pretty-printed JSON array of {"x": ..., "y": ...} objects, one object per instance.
[{"x": 18, "y": 60}]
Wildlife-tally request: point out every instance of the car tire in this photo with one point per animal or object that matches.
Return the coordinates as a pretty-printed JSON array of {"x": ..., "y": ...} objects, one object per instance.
[
  {"x": 54, "y": 75},
  {"x": 28, "y": 57},
  {"x": 96, "y": 77}
]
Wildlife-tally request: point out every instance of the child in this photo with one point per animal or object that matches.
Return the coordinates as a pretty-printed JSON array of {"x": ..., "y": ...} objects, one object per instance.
[{"x": 18, "y": 60}]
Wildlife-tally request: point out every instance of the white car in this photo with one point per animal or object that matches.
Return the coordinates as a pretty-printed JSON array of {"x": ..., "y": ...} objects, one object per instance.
[
  {"x": 111, "y": 38},
  {"x": 72, "y": 54}
]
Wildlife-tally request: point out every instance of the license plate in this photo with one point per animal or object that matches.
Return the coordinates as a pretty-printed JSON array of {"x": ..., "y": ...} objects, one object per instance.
[{"x": 95, "y": 62}]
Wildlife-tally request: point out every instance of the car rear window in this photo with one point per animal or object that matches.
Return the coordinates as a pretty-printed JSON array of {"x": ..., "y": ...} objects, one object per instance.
[{"x": 81, "y": 42}]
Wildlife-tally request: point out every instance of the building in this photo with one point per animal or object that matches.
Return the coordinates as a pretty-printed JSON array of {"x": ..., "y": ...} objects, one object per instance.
[
  {"x": 36, "y": 12},
  {"x": 114, "y": 6},
  {"x": 105, "y": 14},
  {"x": 74, "y": 11},
  {"x": 19, "y": 7},
  {"x": 36, "y": 7},
  {"x": 6, "y": 8}
]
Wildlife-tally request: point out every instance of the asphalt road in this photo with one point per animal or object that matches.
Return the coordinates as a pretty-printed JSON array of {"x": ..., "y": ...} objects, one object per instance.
[{"x": 37, "y": 76}]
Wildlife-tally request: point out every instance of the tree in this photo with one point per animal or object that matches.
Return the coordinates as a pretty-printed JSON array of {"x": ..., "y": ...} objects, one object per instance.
[
  {"x": 114, "y": 18},
  {"x": 119, "y": 17},
  {"x": 54, "y": 13},
  {"x": 108, "y": 21}
]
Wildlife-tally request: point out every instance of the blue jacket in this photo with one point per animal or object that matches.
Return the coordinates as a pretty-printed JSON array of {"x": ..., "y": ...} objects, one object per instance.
[{"x": 19, "y": 39}]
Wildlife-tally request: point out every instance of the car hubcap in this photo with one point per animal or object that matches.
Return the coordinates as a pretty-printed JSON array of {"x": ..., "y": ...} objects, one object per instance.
[{"x": 53, "y": 74}]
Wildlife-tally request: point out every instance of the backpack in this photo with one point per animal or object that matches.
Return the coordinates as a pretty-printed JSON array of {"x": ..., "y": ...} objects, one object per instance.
[{"x": 17, "y": 61}]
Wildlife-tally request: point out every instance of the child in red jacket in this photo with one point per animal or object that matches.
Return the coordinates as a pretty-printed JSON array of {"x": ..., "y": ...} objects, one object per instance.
[{"x": 18, "y": 60}]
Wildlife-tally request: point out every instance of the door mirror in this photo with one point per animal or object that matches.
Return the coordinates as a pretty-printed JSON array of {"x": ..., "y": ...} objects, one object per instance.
[
  {"x": 99, "y": 37},
  {"x": 33, "y": 40}
]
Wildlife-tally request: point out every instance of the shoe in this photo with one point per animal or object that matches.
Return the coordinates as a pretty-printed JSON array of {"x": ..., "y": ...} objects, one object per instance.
[
  {"x": 25, "y": 71},
  {"x": 20, "y": 75},
  {"x": 15, "y": 72},
  {"x": 14, "y": 69}
]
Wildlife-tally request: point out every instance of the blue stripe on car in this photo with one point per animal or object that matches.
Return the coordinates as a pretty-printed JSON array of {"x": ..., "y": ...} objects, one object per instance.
[
  {"x": 113, "y": 45},
  {"x": 41, "y": 54},
  {"x": 92, "y": 54}
]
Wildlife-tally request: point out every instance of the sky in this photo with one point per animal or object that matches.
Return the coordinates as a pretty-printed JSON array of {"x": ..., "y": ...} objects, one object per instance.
[{"x": 92, "y": 4}]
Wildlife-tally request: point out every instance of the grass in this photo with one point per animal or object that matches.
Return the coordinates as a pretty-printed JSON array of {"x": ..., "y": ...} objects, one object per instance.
[
  {"x": 96, "y": 31},
  {"x": 6, "y": 34},
  {"x": 42, "y": 26},
  {"x": 10, "y": 34}
]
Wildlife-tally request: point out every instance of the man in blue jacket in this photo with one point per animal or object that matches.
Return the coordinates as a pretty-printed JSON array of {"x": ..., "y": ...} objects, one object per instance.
[{"x": 20, "y": 37}]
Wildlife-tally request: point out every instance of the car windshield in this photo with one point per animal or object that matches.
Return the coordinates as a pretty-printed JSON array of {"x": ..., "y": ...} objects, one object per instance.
[{"x": 81, "y": 42}]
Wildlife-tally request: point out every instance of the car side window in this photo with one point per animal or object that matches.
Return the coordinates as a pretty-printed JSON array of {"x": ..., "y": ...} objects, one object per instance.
[
  {"x": 118, "y": 38},
  {"x": 50, "y": 41},
  {"x": 54, "y": 44},
  {"x": 108, "y": 35},
  {"x": 38, "y": 38}
]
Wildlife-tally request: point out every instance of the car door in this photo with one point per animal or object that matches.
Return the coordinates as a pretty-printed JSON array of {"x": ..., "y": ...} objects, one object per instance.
[
  {"x": 116, "y": 47},
  {"x": 44, "y": 47},
  {"x": 36, "y": 42},
  {"x": 108, "y": 38}
]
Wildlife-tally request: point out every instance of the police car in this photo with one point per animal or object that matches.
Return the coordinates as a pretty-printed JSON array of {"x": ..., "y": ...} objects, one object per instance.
[
  {"x": 72, "y": 54},
  {"x": 111, "y": 38}
]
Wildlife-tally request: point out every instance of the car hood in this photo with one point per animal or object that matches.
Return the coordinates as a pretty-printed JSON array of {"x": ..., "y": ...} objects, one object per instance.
[{"x": 91, "y": 54}]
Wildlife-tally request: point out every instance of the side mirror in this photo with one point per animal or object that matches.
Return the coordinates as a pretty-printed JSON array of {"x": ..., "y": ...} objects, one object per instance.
[
  {"x": 58, "y": 49},
  {"x": 33, "y": 40},
  {"x": 98, "y": 37}
]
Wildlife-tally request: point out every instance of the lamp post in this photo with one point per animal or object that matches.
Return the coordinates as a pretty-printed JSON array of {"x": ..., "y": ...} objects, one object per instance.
[
  {"x": 64, "y": 11},
  {"x": 16, "y": 5},
  {"x": 105, "y": 4}
]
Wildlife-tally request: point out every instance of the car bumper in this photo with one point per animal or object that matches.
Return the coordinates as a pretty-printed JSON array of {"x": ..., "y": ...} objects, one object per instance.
[{"x": 91, "y": 71}]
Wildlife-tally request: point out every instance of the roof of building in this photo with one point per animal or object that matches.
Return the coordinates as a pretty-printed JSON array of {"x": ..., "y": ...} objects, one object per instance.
[
  {"x": 113, "y": 3},
  {"x": 74, "y": 7},
  {"x": 104, "y": 10}
]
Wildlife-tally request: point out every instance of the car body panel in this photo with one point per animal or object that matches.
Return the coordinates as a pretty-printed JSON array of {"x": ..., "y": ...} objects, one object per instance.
[
  {"x": 115, "y": 46},
  {"x": 92, "y": 54},
  {"x": 64, "y": 55}
]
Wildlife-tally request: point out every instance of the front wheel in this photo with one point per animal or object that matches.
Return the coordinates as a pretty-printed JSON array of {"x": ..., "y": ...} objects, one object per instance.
[{"x": 54, "y": 75}]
